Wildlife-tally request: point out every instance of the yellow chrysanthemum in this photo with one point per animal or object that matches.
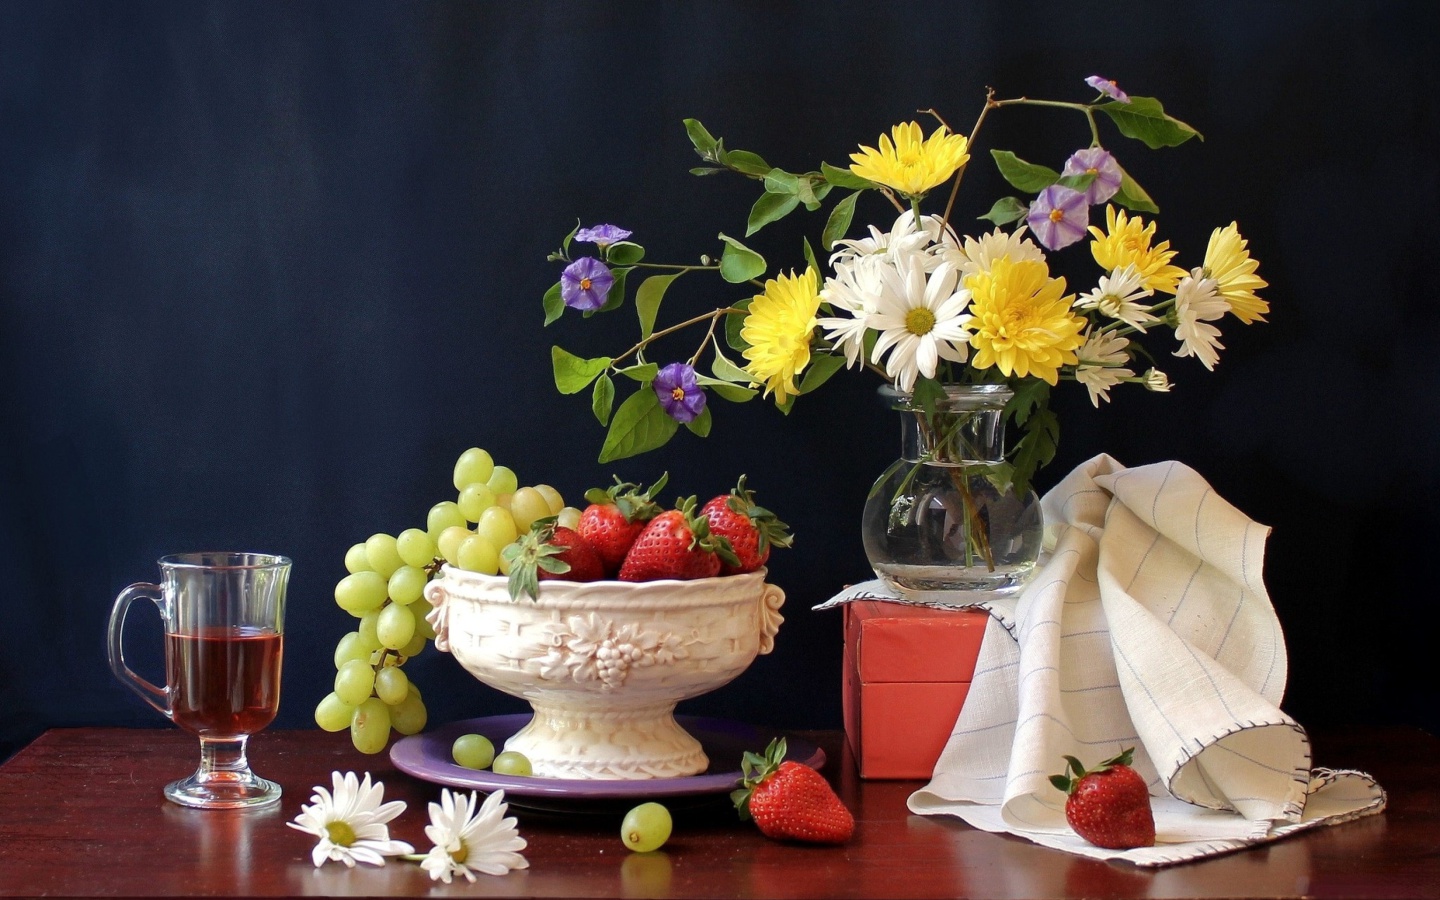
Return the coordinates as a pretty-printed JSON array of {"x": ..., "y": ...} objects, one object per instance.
[
  {"x": 912, "y": 163},
  {"x": 778, "y": 329},
  {"x": 1022, "y": 320},
  {"x": 1229, "y": 263},
  {"x": 1126, "y": 242}
]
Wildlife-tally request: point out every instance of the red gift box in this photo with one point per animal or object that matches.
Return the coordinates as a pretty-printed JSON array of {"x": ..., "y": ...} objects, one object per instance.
[{"x": 907, "y": 671}]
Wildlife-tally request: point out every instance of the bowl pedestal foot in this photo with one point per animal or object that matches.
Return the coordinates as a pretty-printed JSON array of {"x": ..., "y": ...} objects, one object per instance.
[{"x": 639, "y": 743}]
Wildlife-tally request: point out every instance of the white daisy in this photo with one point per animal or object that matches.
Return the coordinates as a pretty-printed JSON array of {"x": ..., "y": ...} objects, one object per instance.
[
  {"x": 980, "y": 254},
  {"x": 921, "y": 320},
  {"x": 903, "y": 239},
  {"x": 1198, "y": 302},
  {"x": 1156, "y": 380},
  {"x": 1118, "y": 296},
  {"x": 853, "y": 291},
  {"x": 467, "y": 841},
  {"x": 1100, "y": 368},
  {"x": 351, "y": 822}
]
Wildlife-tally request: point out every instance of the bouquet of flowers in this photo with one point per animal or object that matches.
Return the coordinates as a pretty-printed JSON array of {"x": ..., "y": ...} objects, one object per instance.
[{"x": 914, "y": 299}]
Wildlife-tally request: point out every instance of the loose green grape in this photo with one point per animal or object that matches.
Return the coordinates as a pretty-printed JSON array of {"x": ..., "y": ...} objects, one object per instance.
[
  {"x": 472, "y": 466},
  {"x": 333, "y": 714},
  {"x": 474, "y": 499},
  {"x": 527, "y": 505},
  {"x": 502, "y": 480},
  {"x": 416, "y": 547},
  {"x": 569, "y": 517},
  {"x": 450, "y": 540},
  {"x": 443, "y": 515},
  {"x": 418, "y": 642},
  {"x": 396, "y": 626},
  {"x": 409, "y": 715},
  {"x": 355, "y": 560},
  {"x": 383, "y": 553},
  {"x": 351, "y": 646},
  {"x": 391, "y": 685},
  {"x": 473, "y": 751},
  {"x": 646, "y": 827},
  {"x": 370, "y": 726},
  {"x": 552, "y": 498},
  {"x": 407, "y": 584},
  {"x": 511, "y": 762},
  {"x": 354, "y": 682},
  {"x": 497, "y": 526},
  {"x": 476, "y": 554},
  {"x": 360, "y": 592}
]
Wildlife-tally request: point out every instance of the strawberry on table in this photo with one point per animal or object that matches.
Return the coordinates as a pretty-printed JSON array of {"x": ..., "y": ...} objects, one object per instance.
[
  {"x": 615, "y": 518},
  {"x": 549, "y": 551},
  {"x": 1109, "y": 806},
  {"x": 751, "y": 529},
  {"x": 676, "y": 544},
  {"x": 789, "y": 800}
]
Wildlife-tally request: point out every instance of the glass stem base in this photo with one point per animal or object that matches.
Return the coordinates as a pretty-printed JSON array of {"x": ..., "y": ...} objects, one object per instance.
[{"x": 224, "y": 779}]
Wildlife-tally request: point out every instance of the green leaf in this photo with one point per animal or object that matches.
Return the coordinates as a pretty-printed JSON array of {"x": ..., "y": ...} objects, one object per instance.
[
  {"x": 844, "y": 178},
  {"x": 821, "y": 367},
  {"x": 1144, "y": 119},
  {"x": 565, "y": 244},
  {"x": 734, "y": 324},
  {"x": 616, "y": 295},
  {"x": 811, "y": 190},
  {"x": 810, "y": 257},
  {"x": 725, "y": 370},
  {"x": 927, "y": 394},
  {"x": 739, "y": 264},
  {"x": 733, "y": 392},
  {"x": 602, "y": 400},
  {"x": 554, "y": 303},
  {"x": 746, "y": 162},
  {"x": 572, "y": 373},
  {"x": 1024, "y": 176},
  {"x": 1036, "y": 448},
  {"x": 779, "y": 181},
  {"x": 769, "y": 208},
  {"x": 1007, "y": 210},
  {"x": 647, "y": 300},
  {"x": 839, "y": 222},
  {"x": 643, "y": 373},
  {"x": 1076, "y": 182},
  {"x": 703, "y": 140},
  {"x": 1133, "y": 197},
  {"x": 1029, "y": 394},
  {"x": 700, "y": 425},
  {"x": 640, "y": 424},
  {"x": 624, "y": 253},
  {"x": 707, "y": 170}
]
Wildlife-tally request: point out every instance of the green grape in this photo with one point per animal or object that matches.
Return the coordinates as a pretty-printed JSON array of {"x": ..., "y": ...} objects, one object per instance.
[
  {"x": 355, "y": 560},
  {"x": 552, "y": 498},
  {"x": 351, "y": 646},
  {"x": 423, "y": 628},
  {"x": 409, "y": 715},
  {"x": 511, "y": 762},
  {"x": 450, "y": 540},
  {"x": 473, "y": 751},
  {"x": 333, "y": 714},
  {"x": 383, "y": 554},
  {"x": 368, "y": 638},
  {"x": 472, "y": 466},
  {"x": 476, "y": 554},
  {"x": 416, "y": 548},
  {"x": 407, "y": 584},
  {"x": 396, "y": 626},
  {"x": 354, "y": 682},
  {"x": 646, "y": 827},
  {"x": 443, "y": 515},
  {"x": 391, "y": 685},
  {"x": 502, "y": 480},
  {"x": 370, "y": 726},
  {"x": 474, "y": 499},
  {"x": 527, "y": 505},
  {"x": 361, "y": 592},
  {"x": 569, "y": 517},
  {"x": 418, "y": 642},
  {"x": 497, "y": 526}
]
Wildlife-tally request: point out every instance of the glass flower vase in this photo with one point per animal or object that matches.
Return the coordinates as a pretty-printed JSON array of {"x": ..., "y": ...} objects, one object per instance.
[{"x": 944, "y": 517}]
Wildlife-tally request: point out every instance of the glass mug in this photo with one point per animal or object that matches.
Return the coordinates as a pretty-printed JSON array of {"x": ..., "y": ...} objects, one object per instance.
[{"x": 224, "y": 616}]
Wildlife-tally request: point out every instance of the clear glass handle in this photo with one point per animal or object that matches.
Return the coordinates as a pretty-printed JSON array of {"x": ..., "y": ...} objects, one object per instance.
[{"x": 157, "y": 697}]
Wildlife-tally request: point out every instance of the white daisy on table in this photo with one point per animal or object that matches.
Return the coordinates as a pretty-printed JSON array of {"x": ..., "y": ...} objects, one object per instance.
[
  {"x": 1118, "y": 296},
  {"x": 973, "y": 255},
  {"x": 467, "y": 841},
  {"x": 1102, "y": 358},
  {"x": 921, "y": 321},
  {"x": 853, "y": 291},
  {"x": 1197, "y": 303},
  {"x": 351, "y": 822}
]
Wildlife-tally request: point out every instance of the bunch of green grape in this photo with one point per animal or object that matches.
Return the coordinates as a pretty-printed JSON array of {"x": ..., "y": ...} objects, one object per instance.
[{"x": 385, "y": 588}]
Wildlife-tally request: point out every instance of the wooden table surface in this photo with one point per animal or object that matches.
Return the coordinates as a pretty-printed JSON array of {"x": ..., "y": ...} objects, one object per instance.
[{"x": 81, "y": 814}]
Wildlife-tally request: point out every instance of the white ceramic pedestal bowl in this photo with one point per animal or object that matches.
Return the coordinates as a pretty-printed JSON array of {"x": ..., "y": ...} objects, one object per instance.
[{"x": 603, "y": 663}]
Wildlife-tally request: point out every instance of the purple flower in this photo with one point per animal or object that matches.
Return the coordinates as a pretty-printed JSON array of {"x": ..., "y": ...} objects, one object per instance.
[
  {"x": 584, "y": 283},
  {"x": 604, "y": 235},
  {"x": 1097, "y": 162},
  {"x": 1108, "y": 88},
  {"x": 1058, "y": 217},
  {"x": 679, "y": 395}
]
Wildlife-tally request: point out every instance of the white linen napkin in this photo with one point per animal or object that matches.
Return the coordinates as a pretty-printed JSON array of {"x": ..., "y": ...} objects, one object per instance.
[{"x": 1147, "y": 626}]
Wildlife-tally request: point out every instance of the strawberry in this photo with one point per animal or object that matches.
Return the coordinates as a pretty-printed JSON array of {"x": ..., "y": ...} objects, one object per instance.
[
  {"x": 549, "y": 551},
  {"x": 676, "y": 544},
  {"x": 1108, "y": 806},
  {"x": 790, "y": 801},
  {"x": 615, "y": 517},
  {"x": 751, "y": 530}
]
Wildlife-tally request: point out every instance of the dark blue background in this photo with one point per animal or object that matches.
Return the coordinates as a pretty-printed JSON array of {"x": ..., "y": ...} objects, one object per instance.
[{"x": 267, "y": 268}]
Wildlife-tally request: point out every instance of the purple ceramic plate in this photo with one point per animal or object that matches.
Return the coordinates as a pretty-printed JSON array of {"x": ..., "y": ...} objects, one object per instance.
[{"x": 427, "y": 757}]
